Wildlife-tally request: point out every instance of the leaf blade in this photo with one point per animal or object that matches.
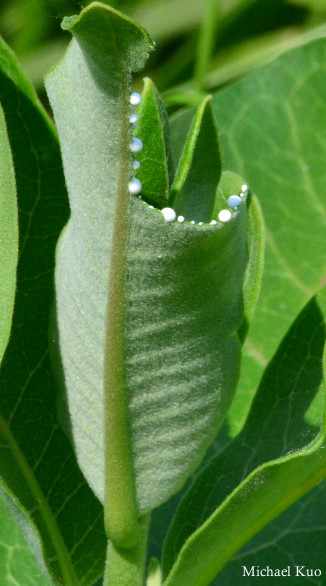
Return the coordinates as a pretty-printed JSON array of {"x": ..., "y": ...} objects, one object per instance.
[
  {"x": 157, "y": 167},
  {"x": 264, "y": 470},
  {"x": 106, "y": 48},
  {"x": 199, "y": 170},
  {"x": 26, "y": 369},
  {"x": 159, "y": 260}
]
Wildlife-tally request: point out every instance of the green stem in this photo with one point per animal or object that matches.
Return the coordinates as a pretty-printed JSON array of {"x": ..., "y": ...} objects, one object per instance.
[
  {"x": 206, "y": 42},
  {"x": 126, "y": 567}
]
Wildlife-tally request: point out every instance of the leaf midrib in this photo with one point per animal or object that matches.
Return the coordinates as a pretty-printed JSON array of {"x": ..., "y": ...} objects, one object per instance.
[
  {"x": 120, "y": 509},
  {"x": 63, "y": 557}
]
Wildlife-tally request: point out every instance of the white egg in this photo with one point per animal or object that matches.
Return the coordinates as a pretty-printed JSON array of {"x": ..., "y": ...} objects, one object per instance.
[
  {"x": 133, "y": 118},
  {"x": 136, "y": 165},
  {"x": 234, "y": 201},
  {"x": 169, "y": 214},
  {"x": 181, "y": 219},
  {"x": 134, "y": 186},
  {"x": 136, "y": 145},
  {"x": 225, "y": 216},
  {"x": 135, "y": 99}
]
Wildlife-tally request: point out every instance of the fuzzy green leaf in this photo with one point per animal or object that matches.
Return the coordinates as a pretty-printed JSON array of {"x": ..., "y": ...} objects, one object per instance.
[
  {"x": 147, "y": 310},
  {"x": 278, "y": 457},
  {"x": 157, "y": 169},
  {"x": 199, "y": 170},
  {"x": 58, "y": 514},
  {"x": 92, "y": 84}
]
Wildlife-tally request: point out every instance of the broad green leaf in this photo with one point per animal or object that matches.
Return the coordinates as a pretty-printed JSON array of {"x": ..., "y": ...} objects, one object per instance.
[
  {"x": 8, "y": 236},
  {"x": 164, "y": 357},
  {"x": 194, "y": 187},
  {"x": 265, "y": 123},
  {"x": 177, "y": 352},
  {"x": 295, "y": 538},
  {"x": 60, "y": 517},
  {"x": 17, "y": 563},
  {"x": 271, "y": 143},
  {"x": 278, "y": 457},
  {"x": 157, "y": 169}
]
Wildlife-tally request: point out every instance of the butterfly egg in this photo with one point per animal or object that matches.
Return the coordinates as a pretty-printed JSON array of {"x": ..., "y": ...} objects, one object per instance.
[
  {"x": 225, "y": 216},
  {"x": 244, "y": 189},
  {"x": 169, "y": 214},
  {"x": 213, "y": 222},
  {"x": 193, "y": 222},
  {"x": 134, "y": 186},
  {"x": 136, "y": 145},
  {"x": 133, "y": 118},
  {"x": 136, "y": 165},
  {"x": 201, "y": 223},
  {"x": 135, "y": 99},
  {"x": 234, "y": 201},
  {"x": 181, "y": 219}
]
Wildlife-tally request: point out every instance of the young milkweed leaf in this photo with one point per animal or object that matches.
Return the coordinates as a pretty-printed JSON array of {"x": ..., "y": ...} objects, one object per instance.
[
  {"x": 199, "y": 170},
  {"x": 156, "y": 165},
  {"x": 147, "y": 309}
]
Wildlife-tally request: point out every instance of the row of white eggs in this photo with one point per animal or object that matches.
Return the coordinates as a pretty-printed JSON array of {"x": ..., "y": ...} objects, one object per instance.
[{"x": 169, "y": 215}]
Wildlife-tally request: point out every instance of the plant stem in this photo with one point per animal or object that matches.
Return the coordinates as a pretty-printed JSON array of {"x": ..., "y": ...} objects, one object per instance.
[
  {"x": 206, "y": 41},
  {"x": 126, "y": 567}
]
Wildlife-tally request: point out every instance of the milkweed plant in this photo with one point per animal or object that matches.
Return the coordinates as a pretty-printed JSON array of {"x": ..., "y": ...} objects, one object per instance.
[{"x": 131, "y": 261}]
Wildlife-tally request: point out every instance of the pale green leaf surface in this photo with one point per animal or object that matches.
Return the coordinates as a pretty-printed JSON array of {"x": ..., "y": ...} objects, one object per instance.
[
  {"x": 8, "y": 236},
  {"x": 181, "y": 364},
  {"x": 278, "y": 457},
  {"x": 180, "y": 351},
  {"x": 157, "y": 168},
  {"x": 57, "y": 512},
  {"x": 89, "y": 93}
]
